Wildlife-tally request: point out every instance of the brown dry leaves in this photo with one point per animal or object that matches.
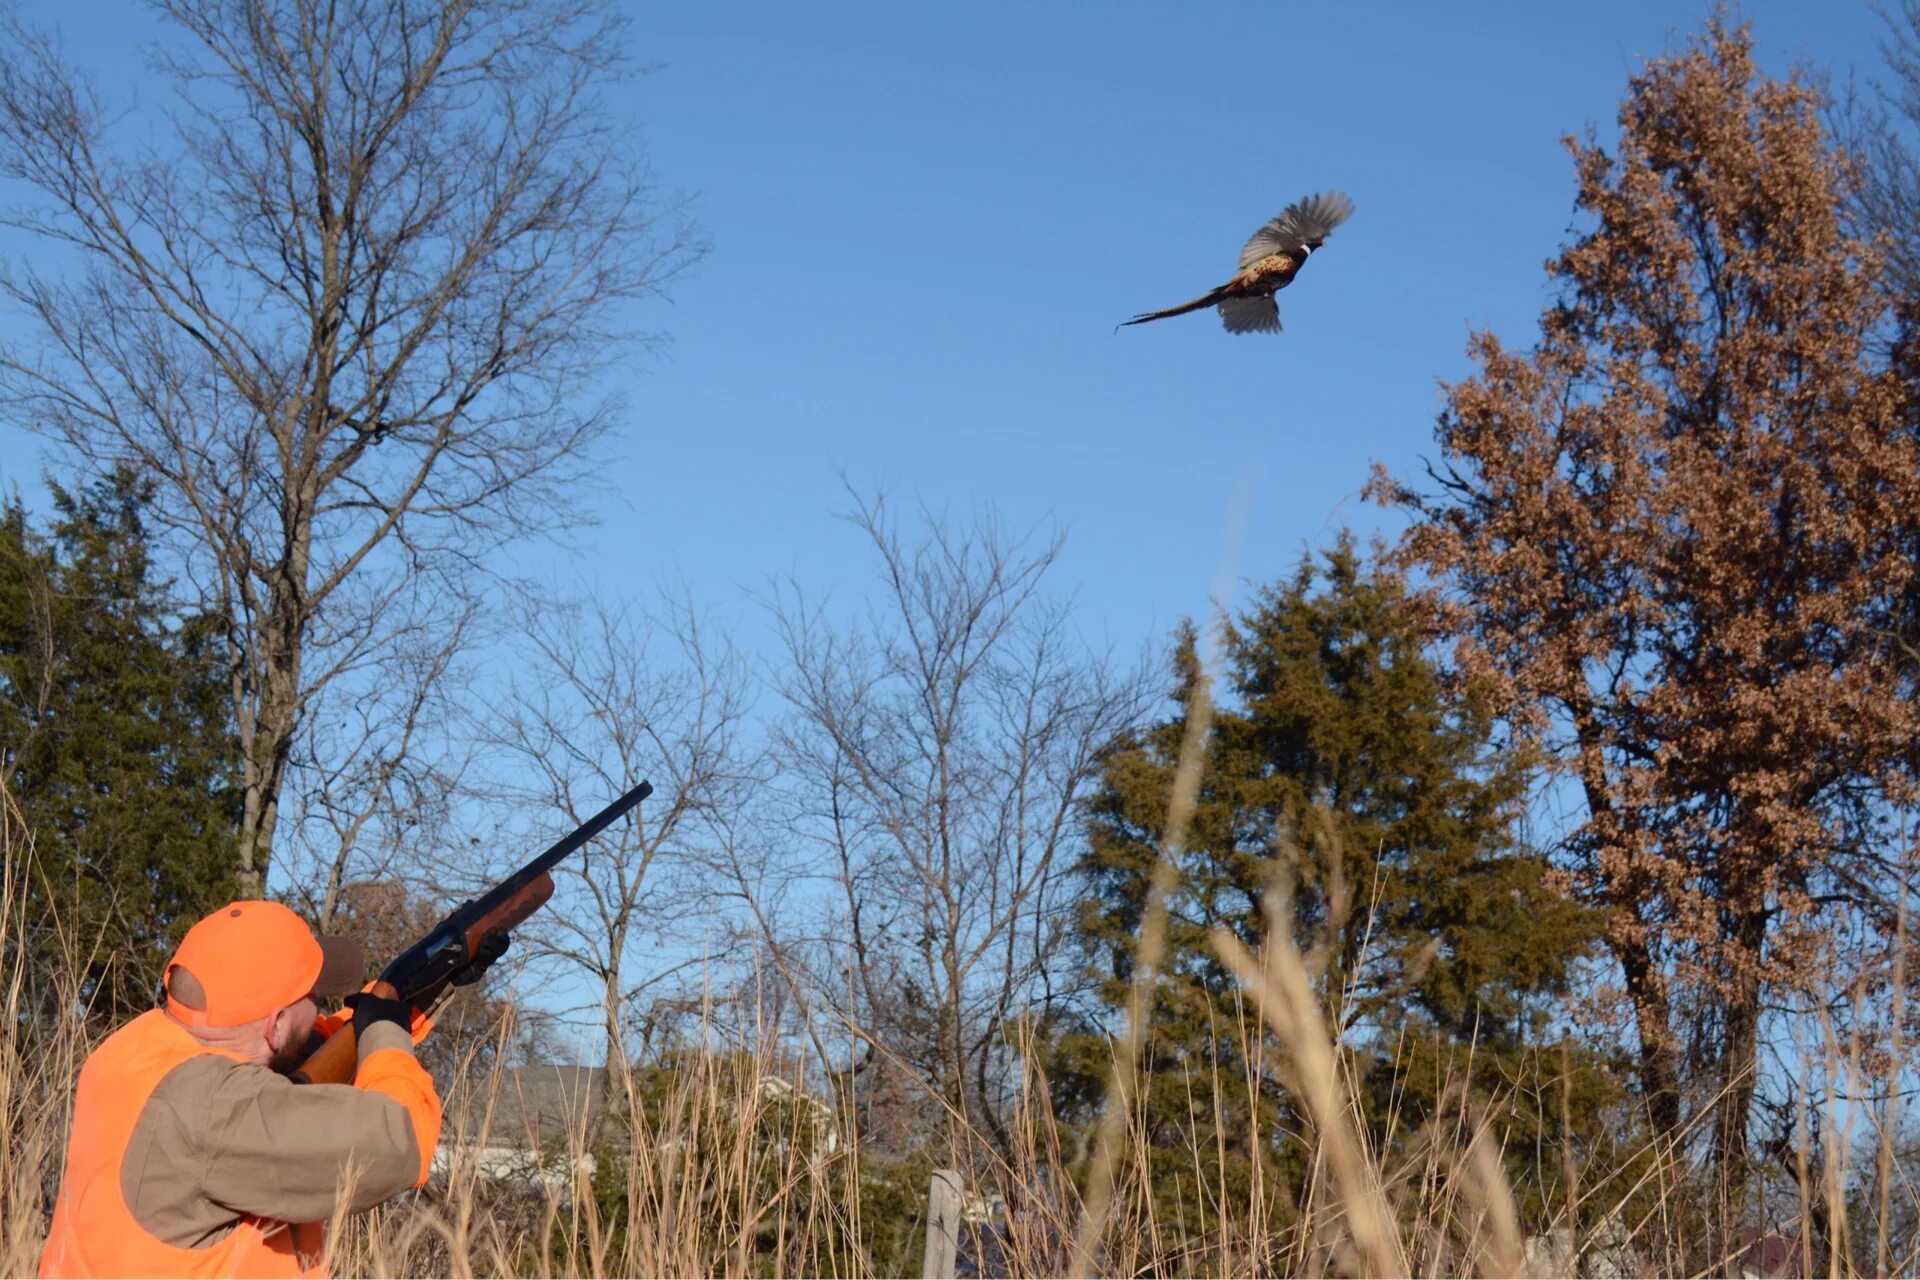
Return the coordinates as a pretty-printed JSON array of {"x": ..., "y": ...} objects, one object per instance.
[{"x": 1677, "y": 533}]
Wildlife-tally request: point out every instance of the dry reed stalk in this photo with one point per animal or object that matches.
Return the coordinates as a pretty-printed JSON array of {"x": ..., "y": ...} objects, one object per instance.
[
  {"x": 1487, "y": 1189},
  {"x": 1123, "y": 1087},
  {"x": 1569, "y": 1171},
  {"x": 1284, "y": 997},
  {"x": 1890, "y": 1121},
  {"x": 40, "y": 1057},
  {"x": 1151, "y": 949},
  {"x": 1833, "y": 1176}
]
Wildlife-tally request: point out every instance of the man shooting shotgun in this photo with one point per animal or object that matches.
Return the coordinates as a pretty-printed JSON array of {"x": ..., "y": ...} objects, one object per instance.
[{"x": 210, "y": 1137}]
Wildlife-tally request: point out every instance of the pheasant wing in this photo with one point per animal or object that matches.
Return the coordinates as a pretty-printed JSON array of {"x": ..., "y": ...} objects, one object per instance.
[
  {"x": 1302, "y": 222},
  {"x": 1251, "y": 315}
]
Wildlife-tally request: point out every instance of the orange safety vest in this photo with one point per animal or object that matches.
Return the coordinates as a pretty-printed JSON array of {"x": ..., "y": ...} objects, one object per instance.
[{"x": 93, "y": 1232}]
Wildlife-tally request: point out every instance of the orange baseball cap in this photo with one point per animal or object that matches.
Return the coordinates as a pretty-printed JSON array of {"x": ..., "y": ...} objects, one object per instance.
[{"x": 251, "y": 958}]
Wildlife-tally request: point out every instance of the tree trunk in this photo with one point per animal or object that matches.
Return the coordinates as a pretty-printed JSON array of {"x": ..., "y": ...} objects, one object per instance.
[
  {"x": 281, "y": 637},
  {"x": 1740, "y": 1055},
  {"x": 1659, "y": 1063}
]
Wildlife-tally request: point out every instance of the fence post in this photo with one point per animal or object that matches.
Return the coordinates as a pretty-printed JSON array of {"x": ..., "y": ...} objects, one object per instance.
[{"x": 943, "y": 1226}]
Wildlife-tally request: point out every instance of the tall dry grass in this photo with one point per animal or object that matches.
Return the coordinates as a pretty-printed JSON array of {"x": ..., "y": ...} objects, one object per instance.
[
  {"x": 37, "y": 1068},
  {"x": 722, "y": 1160}
]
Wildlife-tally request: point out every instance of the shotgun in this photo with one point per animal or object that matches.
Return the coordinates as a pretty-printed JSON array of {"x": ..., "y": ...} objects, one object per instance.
[{"x": 476, "y": 929}]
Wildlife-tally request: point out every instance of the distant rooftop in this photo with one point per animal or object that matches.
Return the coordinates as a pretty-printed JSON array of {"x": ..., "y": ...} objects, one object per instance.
[{"x": 534, "y": 1106}]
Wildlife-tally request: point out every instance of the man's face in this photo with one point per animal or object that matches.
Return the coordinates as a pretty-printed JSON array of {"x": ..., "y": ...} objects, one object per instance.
[{"x": 287, "y": 1033}]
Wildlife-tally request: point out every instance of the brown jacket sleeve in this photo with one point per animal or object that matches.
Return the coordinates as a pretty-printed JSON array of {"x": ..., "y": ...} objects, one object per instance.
[
  {"x": 221, "y": 1138},
  {"x": 387, "y": 1065}
]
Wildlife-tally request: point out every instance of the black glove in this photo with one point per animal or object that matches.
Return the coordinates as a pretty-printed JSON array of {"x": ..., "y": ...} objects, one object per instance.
[
  {"x": 369, "y": 1009},
  {"x": 491, "y": 948}
]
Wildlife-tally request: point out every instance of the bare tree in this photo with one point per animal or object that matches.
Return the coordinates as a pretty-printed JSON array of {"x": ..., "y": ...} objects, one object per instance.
[
  {"x": 936, "y": 751},
  {"x": 1882, "y": 130},
  {"x": 612, "y": 697},
  {"x": 379, "y": 762},
  {"x": 350, "y": 318}
]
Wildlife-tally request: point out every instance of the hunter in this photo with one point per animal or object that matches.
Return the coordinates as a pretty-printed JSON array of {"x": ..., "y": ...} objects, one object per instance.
[{"x": 194, "y": 1154}]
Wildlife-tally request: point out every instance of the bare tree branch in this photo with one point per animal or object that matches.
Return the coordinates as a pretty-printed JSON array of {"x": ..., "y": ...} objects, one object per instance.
[
  {"x": 935, "y": 754},
  {"x": 352, "y": 321}
]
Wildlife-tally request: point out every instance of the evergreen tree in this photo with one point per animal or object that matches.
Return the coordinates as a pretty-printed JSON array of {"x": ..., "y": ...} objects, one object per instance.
[
  {"x": 1346, "y": 763},
  {"x": 116, "y": 744}
]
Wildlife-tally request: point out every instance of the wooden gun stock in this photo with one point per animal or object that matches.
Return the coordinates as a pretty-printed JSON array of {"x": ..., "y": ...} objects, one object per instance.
[{"x": 336, "y": 1061}]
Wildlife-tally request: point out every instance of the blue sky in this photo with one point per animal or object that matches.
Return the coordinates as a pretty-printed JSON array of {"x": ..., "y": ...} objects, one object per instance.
[{"x": 926, "y": 222}]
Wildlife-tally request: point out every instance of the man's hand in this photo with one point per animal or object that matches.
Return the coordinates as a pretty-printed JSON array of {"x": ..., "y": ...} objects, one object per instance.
[
  {"x": 369, "y": 1009},
  {"x": 491, "y": 948}
]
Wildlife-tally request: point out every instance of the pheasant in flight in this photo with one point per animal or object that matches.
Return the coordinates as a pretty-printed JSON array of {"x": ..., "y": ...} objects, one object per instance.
[{"x": 1269, "y": 263}]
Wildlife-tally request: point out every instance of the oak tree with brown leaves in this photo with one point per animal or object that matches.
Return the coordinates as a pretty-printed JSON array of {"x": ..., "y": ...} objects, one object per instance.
[{"x": 1676, "y": 534}]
